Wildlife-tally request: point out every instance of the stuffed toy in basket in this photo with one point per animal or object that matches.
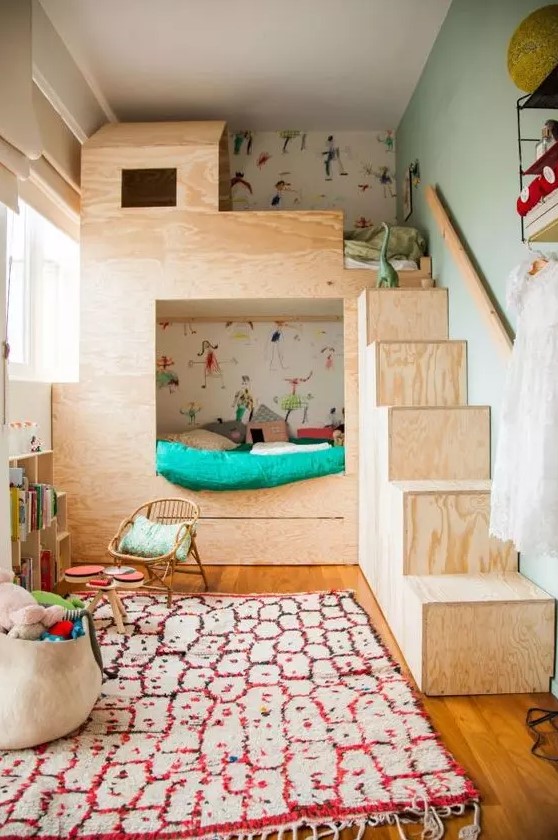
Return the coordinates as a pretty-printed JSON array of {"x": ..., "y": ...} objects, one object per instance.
[{"x": 48, "y": 688}]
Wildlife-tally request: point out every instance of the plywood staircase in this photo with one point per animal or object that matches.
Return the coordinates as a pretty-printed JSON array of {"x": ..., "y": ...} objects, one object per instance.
[{"x": 464, "y": 618}]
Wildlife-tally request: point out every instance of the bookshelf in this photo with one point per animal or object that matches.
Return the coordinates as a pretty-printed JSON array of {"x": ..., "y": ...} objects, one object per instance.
[{"x": 39, "y": 469}]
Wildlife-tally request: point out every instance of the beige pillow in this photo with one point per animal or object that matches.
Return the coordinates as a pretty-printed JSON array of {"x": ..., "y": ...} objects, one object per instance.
[{"x": 203, "y": 439}]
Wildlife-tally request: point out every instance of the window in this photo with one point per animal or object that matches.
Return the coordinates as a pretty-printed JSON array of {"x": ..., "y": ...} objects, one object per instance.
[
  {"x": 42, "y": 299},
  {"x": 149, "y": 188}
]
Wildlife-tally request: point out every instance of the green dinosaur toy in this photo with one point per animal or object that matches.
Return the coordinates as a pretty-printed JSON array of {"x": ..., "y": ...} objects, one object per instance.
[{"x": 387, "y": 275}]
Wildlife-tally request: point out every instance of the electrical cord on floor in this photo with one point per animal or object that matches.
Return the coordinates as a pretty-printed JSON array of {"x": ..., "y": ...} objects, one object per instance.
[{"x": 538, "y": 717}]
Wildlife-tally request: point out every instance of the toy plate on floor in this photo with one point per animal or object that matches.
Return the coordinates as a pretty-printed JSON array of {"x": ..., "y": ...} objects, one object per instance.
[{"x": 83, "y": 573}]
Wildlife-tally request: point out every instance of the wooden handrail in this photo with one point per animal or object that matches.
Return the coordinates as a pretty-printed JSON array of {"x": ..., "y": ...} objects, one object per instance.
[{"x": 477, "y": 288}]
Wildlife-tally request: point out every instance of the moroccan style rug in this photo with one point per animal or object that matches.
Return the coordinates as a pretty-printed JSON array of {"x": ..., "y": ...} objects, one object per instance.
[{"x": 235, "y": 717}]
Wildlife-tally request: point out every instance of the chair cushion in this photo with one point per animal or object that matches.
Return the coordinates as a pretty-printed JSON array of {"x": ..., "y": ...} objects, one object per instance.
[{"x": 152, "y": 539}]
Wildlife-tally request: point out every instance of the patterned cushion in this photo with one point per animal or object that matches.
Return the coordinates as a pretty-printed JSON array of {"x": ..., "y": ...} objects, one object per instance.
[
  {"x": 152, "y": 539},
  {"x": 263, "y": 414},
  {"x": 203, "y": 439},
  {"x": 232, "y": 429}
]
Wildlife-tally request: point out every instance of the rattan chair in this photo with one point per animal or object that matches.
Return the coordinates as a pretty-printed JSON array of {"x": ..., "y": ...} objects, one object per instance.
[{"x": 161, "y": 570}]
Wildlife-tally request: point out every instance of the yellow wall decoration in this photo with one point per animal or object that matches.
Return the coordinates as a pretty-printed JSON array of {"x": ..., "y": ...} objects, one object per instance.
[{"x": 533, "y": 48}]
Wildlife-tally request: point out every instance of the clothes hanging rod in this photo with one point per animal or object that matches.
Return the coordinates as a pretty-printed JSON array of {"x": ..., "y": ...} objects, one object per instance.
[{"x": 245, "y": 319}]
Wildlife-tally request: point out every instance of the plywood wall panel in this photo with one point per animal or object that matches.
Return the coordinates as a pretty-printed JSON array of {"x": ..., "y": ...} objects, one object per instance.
[{"x": 272, "y": 541}]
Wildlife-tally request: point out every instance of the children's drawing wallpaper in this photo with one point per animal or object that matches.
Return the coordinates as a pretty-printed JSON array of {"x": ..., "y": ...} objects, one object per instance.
[
  {"x": 317, "y": 170},
  {"x": 205, "y": 371}
]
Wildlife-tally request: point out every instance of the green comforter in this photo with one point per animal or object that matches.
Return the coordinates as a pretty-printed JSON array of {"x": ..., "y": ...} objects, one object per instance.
[
  {"x": 405, "y": 243},
  {"x": 199, "y": 469}
]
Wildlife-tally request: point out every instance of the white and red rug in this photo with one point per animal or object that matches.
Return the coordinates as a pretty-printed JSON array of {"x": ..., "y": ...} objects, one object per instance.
[{"x": 235, "y": 716}]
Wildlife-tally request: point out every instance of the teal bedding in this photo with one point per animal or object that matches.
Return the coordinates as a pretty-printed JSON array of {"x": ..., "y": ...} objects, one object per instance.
[{"x": 200, "y": 469}]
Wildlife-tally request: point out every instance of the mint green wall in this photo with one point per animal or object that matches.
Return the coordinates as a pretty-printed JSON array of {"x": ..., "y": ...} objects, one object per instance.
[{"x": 461, "y": 125}]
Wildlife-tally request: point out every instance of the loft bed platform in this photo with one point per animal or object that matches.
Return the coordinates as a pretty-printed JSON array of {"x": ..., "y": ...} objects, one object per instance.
[{"x": 197, "y": 248}]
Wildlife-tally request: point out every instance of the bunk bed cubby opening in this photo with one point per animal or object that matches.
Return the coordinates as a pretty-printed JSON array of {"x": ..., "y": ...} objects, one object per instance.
[{"x": 243, "y": 378}]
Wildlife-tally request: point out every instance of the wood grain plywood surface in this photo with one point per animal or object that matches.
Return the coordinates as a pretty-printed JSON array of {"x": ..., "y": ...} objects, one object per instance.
[
  {"x": 421, "y": 373},
  {"x": 273, "y": 541},
  {"x": 447, "y": 533},
  {"x": 478, "y": 634},
  {"x": 407, "y": 315},
  {"x": 488, "y": 648},
  {"x": 439, "y": 443}
]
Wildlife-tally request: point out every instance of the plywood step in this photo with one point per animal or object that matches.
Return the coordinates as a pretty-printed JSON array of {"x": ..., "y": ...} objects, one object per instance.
[
  {"x": 421, "y": 373},
  {"x": 445, "y": 529},
  {"x": 439, "y": 443},
  {"x": 478, "y": 634},
  {"x": 406, "y": 315}
]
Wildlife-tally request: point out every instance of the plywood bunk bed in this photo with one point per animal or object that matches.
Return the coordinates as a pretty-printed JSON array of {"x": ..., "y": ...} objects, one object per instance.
[{"x": 156, "y": 227}]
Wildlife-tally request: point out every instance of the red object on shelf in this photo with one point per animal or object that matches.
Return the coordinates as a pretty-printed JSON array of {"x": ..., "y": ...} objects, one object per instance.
[
  {"x": 315, "y": 432},
  {"x": 550, "y": 158},
  {"x": 46, "y": 570}
]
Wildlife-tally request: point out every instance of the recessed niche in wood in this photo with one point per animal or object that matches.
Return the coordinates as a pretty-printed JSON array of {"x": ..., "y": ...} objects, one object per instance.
[{"x": 149, "y": 188}]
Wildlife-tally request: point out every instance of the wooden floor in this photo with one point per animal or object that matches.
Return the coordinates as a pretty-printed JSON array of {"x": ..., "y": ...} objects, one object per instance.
[{"x": 486, "y": 735}]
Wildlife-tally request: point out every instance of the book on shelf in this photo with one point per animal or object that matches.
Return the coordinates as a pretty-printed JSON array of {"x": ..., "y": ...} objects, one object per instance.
[
  {"x": 32, "y": 509},
  {"x": 23, "y": 573},
  {"x": 46, "y": 570}
]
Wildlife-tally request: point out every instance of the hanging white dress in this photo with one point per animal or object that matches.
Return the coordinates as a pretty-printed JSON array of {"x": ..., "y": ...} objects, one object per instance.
[{"x": 524, "y": 504}]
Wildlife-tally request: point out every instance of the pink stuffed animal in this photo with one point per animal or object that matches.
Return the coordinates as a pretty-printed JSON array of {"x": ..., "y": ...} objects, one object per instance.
[{"x": 20, "y": 613}]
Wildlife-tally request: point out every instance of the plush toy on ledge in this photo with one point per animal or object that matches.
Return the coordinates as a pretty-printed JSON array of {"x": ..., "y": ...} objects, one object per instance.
[{"x": 21, "y": 617}]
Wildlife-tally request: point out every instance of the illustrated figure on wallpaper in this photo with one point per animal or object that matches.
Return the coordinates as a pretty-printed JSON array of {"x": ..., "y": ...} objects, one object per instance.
[
  {"x": 190, "y": 411},
  {"x": 263, "y": 158},
  {"x": 211, "y": 365},
  {"x": 164, "y": 376},
  {"x": 241, "y": 137},
  {"x": 332, "y": 154},
  {"x": 287, "y": 136},
  {"x": 387, "y": 275},
  {"x": 328, "y": 354},
  {"x": 240, "y": 330},
  {"x": 363, "y": 222},
  {"x": 294, "y": 401},
  {"x": 164, "y": 324},
  {"x": 276, "y": 339},
  {"x": 363, "y": 187},
  {"x": 385, "y": 177},
  {"x": 239, "y": 179},
  {"x": 189, "y": 330},
  {"x": 281, "y": 186},
  {"x": 388, "y": 139},
  {"x": 243, "y": 401}
]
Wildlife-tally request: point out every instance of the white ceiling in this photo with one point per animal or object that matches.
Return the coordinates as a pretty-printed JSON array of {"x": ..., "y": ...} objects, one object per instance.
[{"x": 259, "y": 64}]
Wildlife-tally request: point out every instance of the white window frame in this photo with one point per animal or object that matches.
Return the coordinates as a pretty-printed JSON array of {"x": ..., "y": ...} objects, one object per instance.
[{"x": 38, "y": 330}]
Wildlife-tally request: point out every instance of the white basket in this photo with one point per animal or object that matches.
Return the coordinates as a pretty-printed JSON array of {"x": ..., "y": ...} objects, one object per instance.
[{"x": 48, "y": 689}]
